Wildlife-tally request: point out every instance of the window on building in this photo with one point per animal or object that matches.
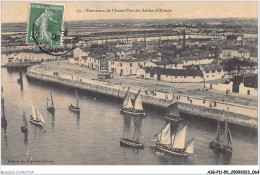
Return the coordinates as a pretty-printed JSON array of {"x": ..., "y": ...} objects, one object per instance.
[
  {"x": 164, "y": 66},
  {"x": 112, "y": 62},
  {"x": 130, "y": 64},
  {"x": 207, "y": 71},
  {"x": 166, "y": 75},
  {"x": 219, "y": 70},
  {"x": 193, "y": 76},
  {"x": 144, "y": 63},
  {"x": 139, "y": 64},
  {"x": 121, "y": 64},
  {"x": 213, "y": 71},
  {"x": 151, "y": 75},
  {"x": 212, "y": 75},
  {"x": 176, "y": 76},
  {"x": 184, "y": 76}
]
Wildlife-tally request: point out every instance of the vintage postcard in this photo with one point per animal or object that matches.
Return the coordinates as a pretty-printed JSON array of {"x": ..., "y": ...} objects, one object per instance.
[{"x": 129, "y": 83}]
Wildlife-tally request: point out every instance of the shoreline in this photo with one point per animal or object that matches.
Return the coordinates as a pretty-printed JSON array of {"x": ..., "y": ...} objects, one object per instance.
[{"x": 239, "y": 115}]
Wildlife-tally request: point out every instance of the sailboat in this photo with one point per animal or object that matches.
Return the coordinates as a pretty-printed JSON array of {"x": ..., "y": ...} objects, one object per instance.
[
  {"x": 20, "y": 79},
  {"x": 222, "y": 144},
  {"x": 3, "y": 119},
  {"x": 75, "y": 108},
  {"x": 50, "y": 108},
  {"x": 36, "y": 119},
  {"x": 174, "y": 143},
  {"x": 24, "y": 126},
  {"x": 173, "y": 113},
  {"x": 131, "y": 142},
  {"x": 128, "y": 107}
]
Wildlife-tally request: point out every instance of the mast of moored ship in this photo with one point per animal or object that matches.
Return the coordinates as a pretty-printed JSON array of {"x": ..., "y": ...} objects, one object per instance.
[
  {"x": 2, "y": 103},
  {"x": 24, "y": 120},
  {"x": 52, "y": 103}
]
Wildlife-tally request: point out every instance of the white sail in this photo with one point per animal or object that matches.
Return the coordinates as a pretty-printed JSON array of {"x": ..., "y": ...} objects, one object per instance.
[
  {"x": 190, "y": 145},
  {"x": 166, "y": 135},
  {"x": 40, "y": 117},
  {"x": 33, "y": 112},
  {"x": 229, "y": 138},
  {"x": 173, "y": 137},
  {"x": 77, "y": 99},
  {"x": 225, "y": 137},
  {"x": 179, "y": 141},
  {"x": 129, "y": 103},
  {"x": 138, "y": 101},
  {"x": 125, "y": 99}
]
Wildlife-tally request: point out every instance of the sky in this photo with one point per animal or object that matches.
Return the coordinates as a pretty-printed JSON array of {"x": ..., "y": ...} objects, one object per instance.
[{"x": 19, "y": 11}]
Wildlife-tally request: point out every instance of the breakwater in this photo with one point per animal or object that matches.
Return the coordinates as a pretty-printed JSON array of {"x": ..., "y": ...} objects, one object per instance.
[{"x": 234, "y": 113}]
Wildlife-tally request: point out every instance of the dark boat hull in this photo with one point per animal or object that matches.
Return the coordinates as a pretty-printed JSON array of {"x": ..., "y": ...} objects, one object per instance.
[
  {"x": 172, "y": 152},
  {"x": 24, "y": 129},
  {"x": 220, "y": 147},
  {"x": 74, "y": 109},
  {"x": 19, "y": 81},
  {"x": 51, "y": 109},
  {"x": 132, "y": 112},
  {"x": 131, "y": 143}
]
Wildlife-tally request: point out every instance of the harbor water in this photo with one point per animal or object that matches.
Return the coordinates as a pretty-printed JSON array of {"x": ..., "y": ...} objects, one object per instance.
[{"x": 92, "y": 136}]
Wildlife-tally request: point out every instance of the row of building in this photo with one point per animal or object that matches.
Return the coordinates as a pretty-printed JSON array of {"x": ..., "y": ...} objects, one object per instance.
[{"x": 192, "y": 70}]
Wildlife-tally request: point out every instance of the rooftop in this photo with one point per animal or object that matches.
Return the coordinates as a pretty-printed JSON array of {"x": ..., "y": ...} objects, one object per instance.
[
  {"x": 173, "y": 72},
  {"x": 128, "y": 60},
  {"x": 213, "y": 66}
]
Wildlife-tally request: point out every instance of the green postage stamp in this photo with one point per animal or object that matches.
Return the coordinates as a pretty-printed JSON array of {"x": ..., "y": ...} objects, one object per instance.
[{"x": 45, "y": 24}]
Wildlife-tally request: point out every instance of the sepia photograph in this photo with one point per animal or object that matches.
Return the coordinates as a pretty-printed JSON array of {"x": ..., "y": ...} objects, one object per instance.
[{"x": 130, "y": 83}]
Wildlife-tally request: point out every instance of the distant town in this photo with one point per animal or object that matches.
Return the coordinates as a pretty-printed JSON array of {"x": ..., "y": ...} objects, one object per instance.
[{"x": 222, "y": 53}]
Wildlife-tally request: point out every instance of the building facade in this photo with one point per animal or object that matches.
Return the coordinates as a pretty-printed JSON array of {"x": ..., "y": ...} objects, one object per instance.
[{"x": 126, "y": 66}]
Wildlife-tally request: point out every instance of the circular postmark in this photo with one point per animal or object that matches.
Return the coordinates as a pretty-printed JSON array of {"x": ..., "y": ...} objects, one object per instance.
[{"x": 46, "y": 47}]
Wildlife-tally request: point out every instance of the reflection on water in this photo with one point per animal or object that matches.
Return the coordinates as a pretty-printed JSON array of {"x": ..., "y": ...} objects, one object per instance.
[
  {"x": 92, "y": 136},
  {"x": 222, "y": 158}
]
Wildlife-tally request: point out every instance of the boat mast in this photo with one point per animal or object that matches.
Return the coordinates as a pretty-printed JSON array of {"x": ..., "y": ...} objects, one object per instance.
[
  {"x": 229, "y": 137},
  {"x": 218, "y": 132},
  {"x": 225, "y": 140},
  {"x": 52, "y": 100},
  {"x": 24, "y": 120},
  {"x": 3, "y": 104}
]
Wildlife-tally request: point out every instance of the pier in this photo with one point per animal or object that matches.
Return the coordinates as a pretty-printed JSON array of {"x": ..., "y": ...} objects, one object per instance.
[{"x": 198, "y": 106}]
